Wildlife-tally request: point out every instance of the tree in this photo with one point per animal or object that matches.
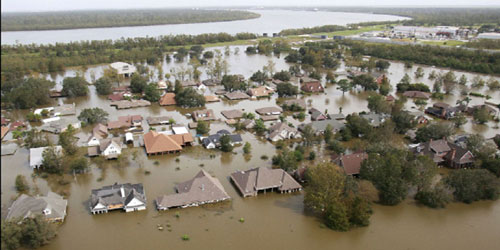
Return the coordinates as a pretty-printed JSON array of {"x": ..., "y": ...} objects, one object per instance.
[
  {"x": 393, "y": 171},
  {"x": 308, "y": 135},
  {"x": 330, "y": 76},
  {"x": 463, "y": 80},
  {"x": 138, "y": 83},
  {"x": 493, "y": 84},
  {"x": 459, "y": 120},
  {"x": 26, "y": 93},
  {"x": 188, "y": 97},
  {"x": 21, "y": 183},
  {"x": 419, "y": 73},
  {"x": 286, "y": 89},
  {"x": 403, "y": 121},
  {"x": 328, "y": 133},
  {"x": 378, "y": 104},
  {"x": 52, "y": 161},
  {"x": 226, "y": 143},
  {"x": 344, "y": 85},
  {"x": 93, "y": 115},
  {"x": 282, "y": 75},
  {"x": 436, "y": 197},
  {"x": 202, "y": 127},
  {"x": 75, "y": 86},
  {"x": 103, "y": 86},
  {"x": 152, "y": 93},
  {"x": 366, "y": 81},
  {"x": 330, "y": 194},
  {"x": 30, "y": 232},
  {"x": 208, "y": 55},
  {"x": 385, "y": 86},
  {"x": 79, "y": 164},
  {"x": 382, "y": 65},
  {"x": 259, "y": 77},
  {"x": 357, "y": 125},
  {"x": 288, "y": 160},
  {"x": 232, "y": 83},
  {"x": 259, "y": 127},
  {"x": 336, "y": 146},
  {"x": 32, "y": 117},
  {"x": 481, "y": 115},
  {"x": 67, "y": 140},
  {"x": 405, "y": 80},
  {"x": 433, "y": 131},
  {"x": 473, "y": 184},
  {"x": 247, "y": 148},
  {"x": 36, "y": 139}
]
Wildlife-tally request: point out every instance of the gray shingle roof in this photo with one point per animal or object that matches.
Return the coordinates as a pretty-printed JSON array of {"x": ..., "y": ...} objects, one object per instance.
[{"x": 52, "y": 206}]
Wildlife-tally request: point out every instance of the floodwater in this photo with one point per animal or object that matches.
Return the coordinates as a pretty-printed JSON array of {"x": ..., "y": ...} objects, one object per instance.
[
  {"x": 271, "y": 21},
  {"x": 272, "y": 221}
]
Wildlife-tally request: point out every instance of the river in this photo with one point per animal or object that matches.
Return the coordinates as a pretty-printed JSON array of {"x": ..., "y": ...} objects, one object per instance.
[
  {"x": 271, "y": 21},
  {"x": 272, "y": 221}
]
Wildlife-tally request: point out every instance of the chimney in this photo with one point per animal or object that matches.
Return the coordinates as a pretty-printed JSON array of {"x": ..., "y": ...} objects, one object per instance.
[
  {"x": 202, "y": 187},
  {"x": 122, "y": 192}
]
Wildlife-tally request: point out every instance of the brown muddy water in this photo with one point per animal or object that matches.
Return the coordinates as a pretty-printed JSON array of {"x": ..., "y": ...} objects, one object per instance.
[{"x": 271, "y": 221}]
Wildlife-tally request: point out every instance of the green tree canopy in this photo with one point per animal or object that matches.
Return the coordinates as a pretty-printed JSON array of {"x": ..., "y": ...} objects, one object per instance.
[{"x": 75, "y": 86}]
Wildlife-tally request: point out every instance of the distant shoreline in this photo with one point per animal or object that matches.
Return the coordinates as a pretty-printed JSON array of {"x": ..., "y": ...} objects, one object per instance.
[{"x": 44, "y": 21}]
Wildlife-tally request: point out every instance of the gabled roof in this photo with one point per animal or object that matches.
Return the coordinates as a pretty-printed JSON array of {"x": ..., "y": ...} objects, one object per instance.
[
  {"x": 112, "y": 195},
  {"x": 104, "y": 143}
]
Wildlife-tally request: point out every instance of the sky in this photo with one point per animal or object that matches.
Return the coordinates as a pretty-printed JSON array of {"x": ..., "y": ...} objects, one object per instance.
[{"x": 57, "y": 5}]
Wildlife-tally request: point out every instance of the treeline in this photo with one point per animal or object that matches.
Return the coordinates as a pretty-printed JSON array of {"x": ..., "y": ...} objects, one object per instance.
[
  {"x": 18, "y": 60},
  {"x": 317, "y": 29},
  {"x": 435, "y": 16},
  {"x": 116, "y": 18},
  {"x": 455, "y": 58},
  {"x": 484, "y": 44}
]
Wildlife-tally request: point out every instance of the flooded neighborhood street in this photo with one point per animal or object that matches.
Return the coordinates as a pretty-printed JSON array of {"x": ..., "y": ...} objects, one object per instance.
[{"x": 272, "y": 220}]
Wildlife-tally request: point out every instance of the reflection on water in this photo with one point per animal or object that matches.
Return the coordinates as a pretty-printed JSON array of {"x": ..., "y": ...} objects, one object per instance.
[
  {"x": 272, "y": 221},
  {"x": 271, "y": 21}
]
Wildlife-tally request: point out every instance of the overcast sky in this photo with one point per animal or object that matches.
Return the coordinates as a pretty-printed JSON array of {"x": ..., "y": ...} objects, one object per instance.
[{"x": 55, "y": 5}]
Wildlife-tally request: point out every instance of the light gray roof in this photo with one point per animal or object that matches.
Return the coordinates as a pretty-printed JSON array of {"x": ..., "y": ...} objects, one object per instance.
[
  {"x": 65, "y": 109},
  {"x": 374, "y": 119},
  {"x": 320, "y": 126},
  {"x": 52, "y": 206},
  {"x": 36, "y": 155},
  {"x": 268, "y": 110},
  {"x": 202, "y": 189}
]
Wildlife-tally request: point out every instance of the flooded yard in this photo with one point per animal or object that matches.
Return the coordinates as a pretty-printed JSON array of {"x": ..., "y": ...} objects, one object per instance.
[{"x": 271, "y": 221}]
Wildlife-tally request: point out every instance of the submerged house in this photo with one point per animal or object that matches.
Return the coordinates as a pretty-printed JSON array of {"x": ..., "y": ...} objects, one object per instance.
[
  {"x": 52, "y": 207},
  {"x": 99, "y": 132},
  {"x": 281, "y": 131},
  {"x": 202, "y": 189},
  {"x": 126, "y": 122},
  {"x": 351, "y": 163},
  {"x": 445, "y": 153},
  {"x": 213, "y": 141},
  {"x": 269, "y": 111},
  {"x": 264, "y": 179},
  {"x": 167, "y": 99},
  {"x": 36, "y": 155},
  {"x": 441, "y": 110},
  {"x": 203, "y": 115},
  {"x": 261, "y": 91},
  {"x": 162, "y": 143},
  {"x": 123, "y": 68},
  {"x": 109, "y": 148},
  {"x": 127, "y": 197}
]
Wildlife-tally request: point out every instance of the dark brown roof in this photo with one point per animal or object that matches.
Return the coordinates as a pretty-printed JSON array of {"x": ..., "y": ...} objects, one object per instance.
[
  {"x": 312, "y": 87},
  {"x": 352, "y": 162}
]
